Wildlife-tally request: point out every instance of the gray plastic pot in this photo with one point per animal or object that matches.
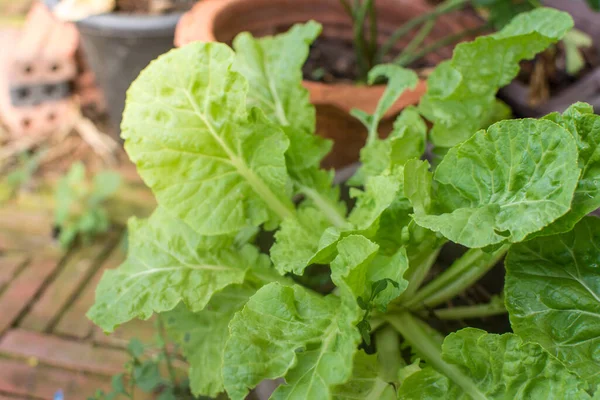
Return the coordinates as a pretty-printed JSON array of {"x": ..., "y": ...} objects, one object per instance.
[{"x": 119, "y": 46}]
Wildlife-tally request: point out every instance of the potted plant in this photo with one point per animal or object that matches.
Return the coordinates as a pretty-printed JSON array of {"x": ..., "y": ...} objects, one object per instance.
[
  {"x": 356, "y": 36},
  {"x": 346, "y": 304},
  {"x": 122, "y": 39},
  {"x": 567, "y": 72}
]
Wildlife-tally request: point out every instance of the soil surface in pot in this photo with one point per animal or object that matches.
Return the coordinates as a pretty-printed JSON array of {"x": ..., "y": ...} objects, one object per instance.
[
  {"x": 153, "y": 6},
  {"x": 546, "y": 75},
  {"x": 333, "y": 60}
]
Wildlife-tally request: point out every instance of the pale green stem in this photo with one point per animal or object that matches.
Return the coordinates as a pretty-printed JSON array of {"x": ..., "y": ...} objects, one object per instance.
[
  {"x": 416, "y": 276},
  {"x": 465, "y": 271},
  {"x": 330, "y": 211},
  {"x": 470, "y": 312},
  {"x": 426, "y": 346}
]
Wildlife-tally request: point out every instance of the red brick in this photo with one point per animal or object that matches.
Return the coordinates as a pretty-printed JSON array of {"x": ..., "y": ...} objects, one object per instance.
[
  {"x": 24, "y": 287},
  {"x": 78, "y": 269},
  {"x": 74, "y": 322},
  {"x": 54, "y": 351},
  {"x": 42, "y": 382}
]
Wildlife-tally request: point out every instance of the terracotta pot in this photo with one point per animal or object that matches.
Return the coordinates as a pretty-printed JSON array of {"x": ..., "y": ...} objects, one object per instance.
[
  {"x": 586, "y": 89},
  {"x": 222, "y": 20}
]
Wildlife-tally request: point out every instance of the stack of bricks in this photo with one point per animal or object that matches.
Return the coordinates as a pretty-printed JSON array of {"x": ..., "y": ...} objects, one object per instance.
[{"x": 40, "y": 76}]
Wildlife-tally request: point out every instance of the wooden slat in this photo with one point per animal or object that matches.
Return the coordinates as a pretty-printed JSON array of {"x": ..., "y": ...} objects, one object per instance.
[
  {"x": 74, "y": 322},
  {"x": 9, "y": 266},
  {"x": 78, "y": 269},
  {"x": 22, "y": 289},
  {"x": 42, "y": 382},
  {"x": 68, "y": 354}
]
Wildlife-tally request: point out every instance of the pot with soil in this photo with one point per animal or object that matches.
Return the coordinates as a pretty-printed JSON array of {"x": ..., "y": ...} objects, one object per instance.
[
  {"x": 118, "y": 45},
  {"x": 330, "y": 74},
  {"x": 550, "y": 82}
]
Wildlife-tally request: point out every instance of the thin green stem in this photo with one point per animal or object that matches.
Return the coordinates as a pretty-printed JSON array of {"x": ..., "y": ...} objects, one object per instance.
[
  {"x": 427, "y": 347},
  {"x": 440, "y": 44},
  {"x": 444, "y": 8},
  {"x": 330, "y": 211},
  {"x": 359, "y": 39},
  {"x": 416, "y": 41},
  {"x": 163, "y": 336},
  {"x": 347, "y": 8},
  {"x": 373, "y": 33},
  {"x": 416, "y": 276},
  {"x": 495, "y": 307},
  {"x": 465, "y": 271}
]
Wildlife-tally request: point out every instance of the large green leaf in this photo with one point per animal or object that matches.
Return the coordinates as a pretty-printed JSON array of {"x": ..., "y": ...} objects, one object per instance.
[
  {"x": 366, "y": 382},
  {"x": 202, "y": 336},
  {"x": 167, "y": 263},
  {"x": 499, "y": 367},
  {"x": 208, "y": 160},
  {"x": 500, "y": 185},
  {"x": 553, "y": 295},
  {"x": 288, "y": 331},
  {"x": 273, "y": 67},
  {"x": 462, "y": 91},
  {"x": 584, "y": 125}
]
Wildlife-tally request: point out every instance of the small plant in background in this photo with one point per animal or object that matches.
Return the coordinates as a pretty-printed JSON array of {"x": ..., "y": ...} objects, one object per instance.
[
  {"x": 497, "y": 12},
  {"x": 21, "y": 174},
  {"x": 79, "y": 209},
  {"x": 150, "y": 370}
]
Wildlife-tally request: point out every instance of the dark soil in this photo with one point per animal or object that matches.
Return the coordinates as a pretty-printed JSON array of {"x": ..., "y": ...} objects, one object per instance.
[
  {"x": 333, "y": 60},
  {"x": 546, "y": 74},
  {"x": 153, "y": 6}
]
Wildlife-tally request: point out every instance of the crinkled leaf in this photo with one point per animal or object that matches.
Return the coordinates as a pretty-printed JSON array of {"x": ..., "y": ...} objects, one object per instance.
[
  {"x": 311, "y": 238},
  {"x": 202, "y": 336},
  {"x": 584, "y": 125},
  {"x": 553, "y": 295},
  {"x": 407, "y": 140},
  {"x": 291, "y": 332},
  {"x": 207, "y": 159},
  {"x": 488, "y": 366},
  {"x": 297, "y": 240},
  {"x": 365, "y": 382},
  {"x": 462, "y": 91},
  {"x": 358, "y": 267},
  {"x": 168, "y": 263},
  {"x": 276, "y": 87},
  {"x": 500, "y": 185}
]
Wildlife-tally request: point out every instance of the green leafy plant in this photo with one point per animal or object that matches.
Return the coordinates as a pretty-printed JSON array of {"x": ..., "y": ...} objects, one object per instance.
[
  {"x": 79, "y": 209},
  {"x": 22, "y": 173},
  {"x": 365, "y": 29},
  {"x": 144, "y": 372},
  {"x": 226, "y": 142}
]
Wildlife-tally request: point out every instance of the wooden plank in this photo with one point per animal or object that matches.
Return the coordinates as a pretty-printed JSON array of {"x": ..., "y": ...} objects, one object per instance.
[
  {"x": 9, "y": 266},
  {"x": 42, "y": 382},
  {"x": 22, "y": 289},
  {"x": 54, "y": 351},
  {"x": 74, "y": 322},
  {"x": 78, "y": 269}
]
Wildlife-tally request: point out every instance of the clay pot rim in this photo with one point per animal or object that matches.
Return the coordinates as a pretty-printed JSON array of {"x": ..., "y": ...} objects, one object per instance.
[{"x": 206, "y": 28}]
